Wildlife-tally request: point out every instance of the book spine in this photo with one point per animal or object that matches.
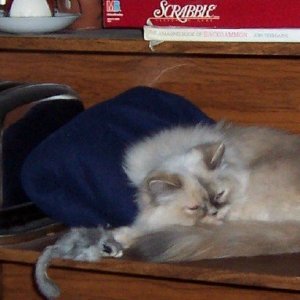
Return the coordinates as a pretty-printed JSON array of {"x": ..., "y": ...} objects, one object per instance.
[
  {"x": 185, "y": 34},
  {"x": 202, "y": 13}
]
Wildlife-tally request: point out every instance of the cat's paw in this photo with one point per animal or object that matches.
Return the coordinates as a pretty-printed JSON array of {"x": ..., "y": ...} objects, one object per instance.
[
  {"x": 125, "y": 236},
  {"x": 112, "y": 248},
  {"x": 90, "y": 254}
]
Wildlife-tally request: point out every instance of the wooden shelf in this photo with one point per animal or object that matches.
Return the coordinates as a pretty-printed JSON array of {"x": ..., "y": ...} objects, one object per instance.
[
  {"x": 243, "y": 82},
  {"x": 278, "y": 272},
  {"x": 269, "y": 277},
  {"x": 131, "y": 41}
]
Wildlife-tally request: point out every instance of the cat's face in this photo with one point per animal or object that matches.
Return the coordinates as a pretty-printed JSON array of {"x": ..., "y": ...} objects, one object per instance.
[
  {"x": 167, "y": 189},
  {"x": 189, "y": 194},
  {"x": 191, "y": 182}
]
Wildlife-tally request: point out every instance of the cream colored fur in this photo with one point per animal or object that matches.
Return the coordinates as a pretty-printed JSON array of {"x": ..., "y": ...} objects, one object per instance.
[{"x": 259, "y": 175}]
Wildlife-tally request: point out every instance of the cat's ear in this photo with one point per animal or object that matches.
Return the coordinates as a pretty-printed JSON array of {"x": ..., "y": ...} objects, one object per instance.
[
  {"x": 212, "y": 154},
  {"x": 163, "y": 183}
]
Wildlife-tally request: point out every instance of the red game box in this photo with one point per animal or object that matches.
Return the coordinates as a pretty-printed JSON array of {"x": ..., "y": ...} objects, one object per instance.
[{"x": 202, "y": 13}]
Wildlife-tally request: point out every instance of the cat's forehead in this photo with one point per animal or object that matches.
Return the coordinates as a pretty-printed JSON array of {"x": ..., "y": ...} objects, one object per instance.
[{"x": 187, "y": 162}]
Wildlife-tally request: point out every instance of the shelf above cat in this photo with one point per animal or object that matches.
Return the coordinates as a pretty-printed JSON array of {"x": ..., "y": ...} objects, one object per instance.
[{"x": 131, "y": 41}]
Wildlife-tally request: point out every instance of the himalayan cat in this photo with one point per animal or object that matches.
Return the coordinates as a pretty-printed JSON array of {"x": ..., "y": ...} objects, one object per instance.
[
  {"x": 203, "y": 192},
  {"x": 164, "y": 198},
  {"x": 172, "y": 194},
  {"x": 247, "y": 178}
]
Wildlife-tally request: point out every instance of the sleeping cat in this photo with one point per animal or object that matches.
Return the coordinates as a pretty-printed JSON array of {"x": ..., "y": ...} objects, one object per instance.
[
  {"x": 259, "y": 166},
  {"x": 257, "y": 174},
  {"x": 164, "y": 198},
  {"x": 205, "y": 192},
  {"x": 206, "y": 174},
  {"x": 175, "y": 193}
]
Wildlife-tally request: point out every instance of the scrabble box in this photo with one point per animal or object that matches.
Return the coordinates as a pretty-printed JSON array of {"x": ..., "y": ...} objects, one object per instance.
[{"x": 202, "y": 13}]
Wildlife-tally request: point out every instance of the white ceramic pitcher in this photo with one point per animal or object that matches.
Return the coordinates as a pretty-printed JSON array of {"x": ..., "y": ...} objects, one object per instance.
[{"x": 28, "y": 8}]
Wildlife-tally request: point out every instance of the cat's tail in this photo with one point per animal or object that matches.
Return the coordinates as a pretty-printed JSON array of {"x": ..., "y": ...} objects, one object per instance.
[
  {"x": 45, "y": 284},
  {"x": 207, "y": 241}
]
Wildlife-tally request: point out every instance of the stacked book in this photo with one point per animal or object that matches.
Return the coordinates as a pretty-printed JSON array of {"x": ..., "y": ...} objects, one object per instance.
[{"x": 208, "y": 20}]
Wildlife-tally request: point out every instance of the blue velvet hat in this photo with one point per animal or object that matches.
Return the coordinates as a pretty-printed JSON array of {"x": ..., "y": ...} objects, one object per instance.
[{"x": 75, "y": 175}]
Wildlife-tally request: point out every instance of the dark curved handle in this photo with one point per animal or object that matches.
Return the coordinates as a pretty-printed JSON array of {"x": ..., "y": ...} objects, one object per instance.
[
  {"x": 4, "y": 85},
  {"x": 14, "y": 94},
  {"x": 13, "y": 97}
]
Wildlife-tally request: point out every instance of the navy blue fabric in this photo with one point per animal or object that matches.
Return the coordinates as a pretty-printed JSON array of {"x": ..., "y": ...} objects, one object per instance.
[
  {"x": 76, "y": 174},
  {"x": 21, "y": 137}
]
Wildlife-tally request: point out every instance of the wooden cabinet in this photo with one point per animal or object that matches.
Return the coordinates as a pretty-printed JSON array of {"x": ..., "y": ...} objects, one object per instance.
[
  {"x": 269, "y": 277},
  {"x": 243, "y": 82}
]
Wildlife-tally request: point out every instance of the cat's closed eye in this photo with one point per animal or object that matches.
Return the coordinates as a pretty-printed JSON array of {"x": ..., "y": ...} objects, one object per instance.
[{"x": 218, "y": 198}]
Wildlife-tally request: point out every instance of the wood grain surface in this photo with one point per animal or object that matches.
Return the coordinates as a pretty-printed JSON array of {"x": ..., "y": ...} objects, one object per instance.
[
  {"x": 279, "y": 272},
  {"x": 245, "y": 90},
  {"x": 78, "y": 284},
  {"x": 131, "y": 41},
  {"x": 245, "y": 83}
]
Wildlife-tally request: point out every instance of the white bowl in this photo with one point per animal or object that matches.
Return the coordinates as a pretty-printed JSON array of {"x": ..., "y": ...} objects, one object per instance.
[{"x": 21, "y": 25}]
